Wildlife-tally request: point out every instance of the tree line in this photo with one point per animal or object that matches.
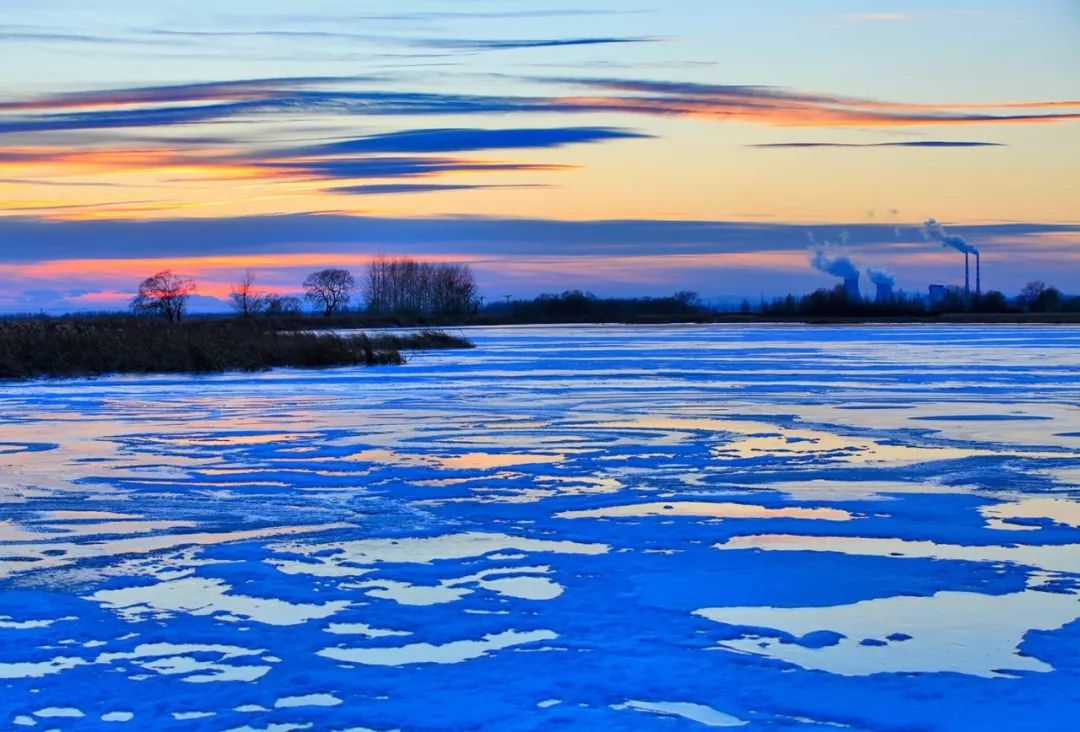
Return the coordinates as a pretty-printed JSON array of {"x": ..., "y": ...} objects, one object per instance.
[
  {"x": 1034, "y": 297},
  {"x": 388, "y": 286}
]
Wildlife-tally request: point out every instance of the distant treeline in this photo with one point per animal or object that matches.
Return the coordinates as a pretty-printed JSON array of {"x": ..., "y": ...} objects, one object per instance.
[
  {"x": 402, "y": 291},
  {"x": 81, "y": 347},
  {"x": 575, "y": 306},
  {"x": 1035, "y": 297}
]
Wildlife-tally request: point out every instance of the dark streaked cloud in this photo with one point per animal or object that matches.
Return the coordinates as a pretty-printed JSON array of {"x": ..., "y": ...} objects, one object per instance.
[
  {"x": 444, "y": 44},
  {"x": 472, "y": 139},
  {"x": 29, "y": 239},
  {"x": 243, "y": 99},
  {"x": 381, "y": 189},
  {"x": 439, "y": 15},
  {"x": 257, "y": 88},
  {"x": 512, "y": 44},
  {"x": 909, "y": 143},
  {"x": 398, "y": 167}
]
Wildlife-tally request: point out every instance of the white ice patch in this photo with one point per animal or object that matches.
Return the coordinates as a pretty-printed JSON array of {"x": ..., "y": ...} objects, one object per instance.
[
  {"x": 39, "y": 555},
  {"x": 59, "y": 712},
  {"x": 958, "y": 632},
  {"x": 707, "y": 509},
  {"x": 1052, "y": 558},
  {"x": 765, "y": 439},
  {"x": 307, "y": 700},
  {"x": 277, "y": 727},
  {"x": 352, "y": 556},
  {"x": 117, "y": 717},
  {"x": 453, "y": 652},
  {"x": 9, "y": 623},
  {"x": 198, "y": 596},
  {"x": 694, "y": 712},
  {"x": 1056, "y": 510},
  {"x": 404, "y": 593},
  {"x": 176, "y": 659},
  {"x": 38, "y": 669},
  {"x": 522, "y": 584},
  {"x": 362, "y": 629}
]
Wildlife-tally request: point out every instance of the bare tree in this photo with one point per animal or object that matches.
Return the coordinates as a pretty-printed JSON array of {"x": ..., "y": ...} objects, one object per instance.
[
  {"x": 329, "y": 289},
  {"x": 404, "y": 285},
  {"x": 375, "y": 287},
  {"x": 244, "y": 298},
  {"x": 164, "y": 294},
  {"x": 1032, "y": 291}
]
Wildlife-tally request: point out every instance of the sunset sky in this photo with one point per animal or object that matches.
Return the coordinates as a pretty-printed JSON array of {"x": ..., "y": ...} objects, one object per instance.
[{"x": 616, "y": 146}]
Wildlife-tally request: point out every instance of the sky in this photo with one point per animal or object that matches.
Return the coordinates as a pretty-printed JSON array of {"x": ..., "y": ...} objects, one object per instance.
[{"x": 615, "y": 146}]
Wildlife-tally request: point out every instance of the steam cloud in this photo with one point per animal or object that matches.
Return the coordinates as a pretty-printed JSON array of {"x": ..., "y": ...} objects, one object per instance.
[
  {"x": 933, "y": 231},
  {"x": 880, "y": 276},
  {"x": 827, "y": 257}
]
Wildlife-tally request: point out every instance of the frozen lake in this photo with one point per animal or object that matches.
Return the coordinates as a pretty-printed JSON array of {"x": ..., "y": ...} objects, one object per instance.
[{"x": 601, "y": 528}]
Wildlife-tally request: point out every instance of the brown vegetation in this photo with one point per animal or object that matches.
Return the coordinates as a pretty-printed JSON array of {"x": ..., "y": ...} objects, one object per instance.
[{"x": 81, "y": 347}]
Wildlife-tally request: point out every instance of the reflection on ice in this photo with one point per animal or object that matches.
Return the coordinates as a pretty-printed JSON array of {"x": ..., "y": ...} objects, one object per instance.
[
  {"x": 307, "y": 700},
  {"x": 163, "y": 658},
  {"x": 362, "y": 629},
  {"x": 699, "y": 713},
  {"x": 26, "y": 557},
  {"x": 958, "y": 632},
  {"x": 1051, "y": 558},
  {"x": 1056, "y": 510},
  {"x": 355, "y": 557},
  {"x": 760, "y": 439},
  {"x": 196, "y": 596},
  {"x": 453, "y": 652},
  {"x": 117, "y": 717},
  {"x": 709, "y": 510}
]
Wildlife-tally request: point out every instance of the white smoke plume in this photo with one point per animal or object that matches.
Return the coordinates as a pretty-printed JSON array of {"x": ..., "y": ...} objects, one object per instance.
[
  {"x": 830, "y": 258},
  {"x": 880, "y": 276},
  {"x": 935, "y": 232}
]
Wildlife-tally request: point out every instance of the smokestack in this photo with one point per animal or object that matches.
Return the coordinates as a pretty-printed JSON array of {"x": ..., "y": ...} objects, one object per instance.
[
  {"x": 933, "y": 231},
  {"x": 851, "y": 285},
  {"x": 978, "y": 275}
]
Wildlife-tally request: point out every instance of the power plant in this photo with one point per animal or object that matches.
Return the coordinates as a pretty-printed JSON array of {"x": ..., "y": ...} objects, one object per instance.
[
  {"x": 830, "y": 258},
  {"x": 935, "y": 232}
]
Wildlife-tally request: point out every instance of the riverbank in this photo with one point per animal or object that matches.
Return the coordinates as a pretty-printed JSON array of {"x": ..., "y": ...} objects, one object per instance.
[
  {"x": 355, "y": 321},
  {"x": 87, "y": 347}
]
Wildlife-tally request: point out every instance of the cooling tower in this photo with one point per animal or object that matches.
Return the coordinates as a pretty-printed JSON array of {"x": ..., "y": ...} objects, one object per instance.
[{"x": 851, "y": 285}]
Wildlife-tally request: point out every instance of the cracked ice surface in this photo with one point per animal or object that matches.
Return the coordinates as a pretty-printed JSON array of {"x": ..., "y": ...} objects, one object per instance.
[{"x": 674, "y": 527}]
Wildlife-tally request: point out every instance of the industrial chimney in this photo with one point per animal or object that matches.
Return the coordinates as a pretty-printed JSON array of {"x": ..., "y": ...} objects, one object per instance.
[
  {"x": 967, "y": 277},
  {"x": 978, "y": 275}
]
